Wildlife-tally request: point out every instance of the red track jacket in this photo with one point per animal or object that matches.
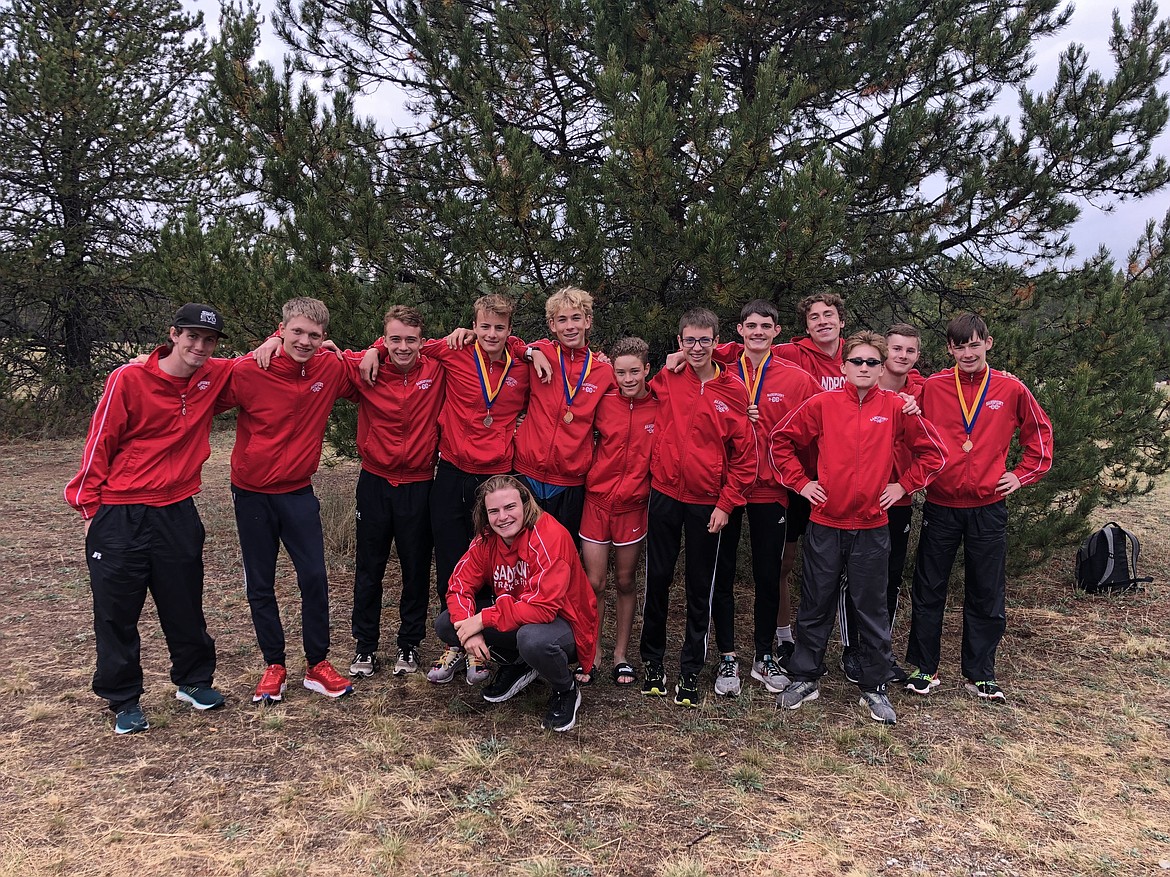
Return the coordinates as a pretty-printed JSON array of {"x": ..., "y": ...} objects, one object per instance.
[
  {"x": 804, "y": 353},
  {"x": 969, "y": 479},
  {"x": 902, "y": 456},
  {"x": 785, "y": 386},
  {"x": 536, "y": 579},
  {"x": 283, "y": 413},
  {"x": 704, "y": 450},
  {"x": 547, "y": 448},
  {"x": 398, "y": 419},
  {"x": 856, "y": 439},
  {"x": 619, "y": 479},
  {"x": 148, "y": 438}
]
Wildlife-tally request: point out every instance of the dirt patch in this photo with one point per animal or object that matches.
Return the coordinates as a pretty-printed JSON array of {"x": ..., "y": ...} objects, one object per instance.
[{"x": 1070, "y": 776}]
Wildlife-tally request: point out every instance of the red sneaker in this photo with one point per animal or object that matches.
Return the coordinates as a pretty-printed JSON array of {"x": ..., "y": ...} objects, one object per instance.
[
  {"x": 271, "y": 687},
  {"x": 324, "y": 679}
]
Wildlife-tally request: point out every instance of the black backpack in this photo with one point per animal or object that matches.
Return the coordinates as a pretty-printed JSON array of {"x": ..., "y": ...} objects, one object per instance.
[{"x": 1107, "y": 561}]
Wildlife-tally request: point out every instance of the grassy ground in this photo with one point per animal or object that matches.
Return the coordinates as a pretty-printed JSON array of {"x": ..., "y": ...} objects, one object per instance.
[{"x": 1071, "y": 776}]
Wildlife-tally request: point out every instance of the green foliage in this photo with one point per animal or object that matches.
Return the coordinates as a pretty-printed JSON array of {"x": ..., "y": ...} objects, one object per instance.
[{"x": 94, "y": 102}]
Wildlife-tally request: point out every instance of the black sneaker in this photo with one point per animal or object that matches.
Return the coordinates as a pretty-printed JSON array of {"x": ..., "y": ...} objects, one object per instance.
[
  {"x": 851, "y": 666},
  {"x": 784, "y": 652},
  {"x": 654, "y": 682},
  {"x": 510, "y": 680},
  {"x": 562, "y": 709},
  {"x": 898, "y": 674},
  {"x": 686, "y": 693},
  {"x": 202, "y": 697},
  {"x": 131, "y": 720}
]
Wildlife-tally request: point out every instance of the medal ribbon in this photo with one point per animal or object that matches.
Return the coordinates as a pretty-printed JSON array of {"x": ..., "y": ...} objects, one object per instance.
[
  {"x": 754, "y": 387},
  {"x": 970, "y": 415},
  {"x": 570, "y": 395},
  {"x": 481, "y": 368}
]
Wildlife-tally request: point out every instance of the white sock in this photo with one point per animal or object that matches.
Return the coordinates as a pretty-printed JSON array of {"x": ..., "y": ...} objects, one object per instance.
[{"x": 784, "y": 634}]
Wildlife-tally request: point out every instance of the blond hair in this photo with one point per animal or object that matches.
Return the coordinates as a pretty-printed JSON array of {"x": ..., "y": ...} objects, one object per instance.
[
  {"x": 495, "y": 304},
  {"x": 312, "y": 309},
  {"x": 569, "y": 298},
  {"x": 861, "y": 339}
]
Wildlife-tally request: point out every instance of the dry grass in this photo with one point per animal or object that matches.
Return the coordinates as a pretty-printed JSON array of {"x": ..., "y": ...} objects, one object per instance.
[{"x": 1071, "y": 776}]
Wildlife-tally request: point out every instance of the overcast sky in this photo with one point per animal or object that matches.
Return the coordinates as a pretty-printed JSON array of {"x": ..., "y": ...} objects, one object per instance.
[{"x": 1117, "y": 228}]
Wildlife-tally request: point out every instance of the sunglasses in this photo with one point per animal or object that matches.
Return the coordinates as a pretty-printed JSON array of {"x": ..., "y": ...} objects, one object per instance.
[{"x": 857, "y": 360}]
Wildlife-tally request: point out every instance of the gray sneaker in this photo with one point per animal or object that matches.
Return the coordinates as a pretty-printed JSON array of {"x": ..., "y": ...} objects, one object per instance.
[
  {"x": 407, "y": 662},
  {"x": 766, "y": 670},
  {"x": 727, "y": 677},
  {"x": 797, "y": 693},
  {"x": 880, "y": 708},
  {"x": 364, "y": 664}
]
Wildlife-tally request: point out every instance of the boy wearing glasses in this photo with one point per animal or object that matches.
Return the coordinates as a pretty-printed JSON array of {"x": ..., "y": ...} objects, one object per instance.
[
  {"x": 857, "y": 429},
  {"x": 704, "y": 460},
  {"x": 978, "y": 410}
]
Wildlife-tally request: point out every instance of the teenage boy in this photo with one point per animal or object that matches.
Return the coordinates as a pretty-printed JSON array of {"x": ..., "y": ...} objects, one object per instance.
[
  {"x": 775, "y": 388},
  {"x": 856, "y": 430},
  {"x": 898, "y": 376},
  {"x": 398, "y": 440},
  {"x": 617, "y": 491},
  {"x": 978, "y": 410},
  {"x": 703, "y": 462},
  {"x": 554, "y": 444},
  {"x": 140, "y": 469},
  {"x": 283, "y": 412},
  {"x": 485, "y": 393},
  {"x": 819, "y": 354}
]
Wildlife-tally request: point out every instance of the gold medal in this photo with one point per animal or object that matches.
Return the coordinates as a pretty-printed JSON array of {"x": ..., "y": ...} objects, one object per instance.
[
  {"x": 487, "y": 421},
  {"x": 967, "y": 445},
  {"x": 568, "y": 417}
]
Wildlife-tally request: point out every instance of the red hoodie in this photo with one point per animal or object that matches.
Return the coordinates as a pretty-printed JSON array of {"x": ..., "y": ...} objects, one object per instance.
[
  {"x": 969, "y": 479},
  {"x": 398, "y": 418},
  {"x": 804, "y": 353},
  {"x": 148, "y": 438},
  {"x": 704, "y": 450},
  {"x": 537, "y": 578},
  {"x": 619, "y": 479},
  {"x": 902, "y": 457},
  {"x": 282, "y": 419},
  {"x": 547, "y": 448},
  {"x": 464, "y": 440},
  {"x": 856, "y": 439},
  {"x": 785, "y": 386}
]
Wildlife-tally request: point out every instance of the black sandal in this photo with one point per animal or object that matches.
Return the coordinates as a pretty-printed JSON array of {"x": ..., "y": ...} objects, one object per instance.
[
  {"x": 624, "y": 669},
  {"x": 582, "y": 677}
]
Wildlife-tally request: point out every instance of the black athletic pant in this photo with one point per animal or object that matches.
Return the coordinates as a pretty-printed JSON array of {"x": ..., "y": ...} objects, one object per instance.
[
  {"x": 452, "y": 502},
  {"x": 863, "y": 555},
  {"x": 131, "y": 549},
  {"x": 388, "y": 514},
  {"x": 669, "y": 521},
  {"x": 899, "y": 527},
  {"x": 766, "y": 530},
  {"x": 566, "y": 507},
  {"x": 265, "y": 520},
  {"x": 983, "y": 533}
]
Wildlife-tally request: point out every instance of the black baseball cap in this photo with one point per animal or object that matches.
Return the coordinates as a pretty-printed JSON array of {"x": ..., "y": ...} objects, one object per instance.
[{"x": 197, "y": 316}]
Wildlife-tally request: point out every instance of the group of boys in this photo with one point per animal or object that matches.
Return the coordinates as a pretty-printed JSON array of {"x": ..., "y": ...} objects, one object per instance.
[{"x": 759, "y": 426}]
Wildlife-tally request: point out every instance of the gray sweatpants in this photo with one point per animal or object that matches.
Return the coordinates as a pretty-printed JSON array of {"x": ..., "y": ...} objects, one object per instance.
[{"x": 546, "y": 648}]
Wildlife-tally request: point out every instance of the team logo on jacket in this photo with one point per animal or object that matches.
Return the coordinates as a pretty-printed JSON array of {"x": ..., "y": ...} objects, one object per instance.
[
  {"x": 995, "y": 404},
  {"x": 649, "y": 427},
  {"x": 590, "y": 388},
  {"x": 317, "y": 387},
  {"x": 775, "y": 397},
  {"x": 203, "y": 385},
  {"x": 511, "y": 382},
  {"x": 424, "y": 384},
  {"x": 720, "y": 406},
  {"x": 829, "y": 383},
  {"x": 877, "y": 418},
  {"x": 507, "y": 579}
]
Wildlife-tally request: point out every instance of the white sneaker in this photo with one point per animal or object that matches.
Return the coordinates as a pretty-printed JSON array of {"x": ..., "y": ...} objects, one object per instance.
[
  {"x": 407, "y": 662},
  {"x": 766, "y": 670},
  {"x": 448, "y": 663},
  {"x": 727, "y": 677}
]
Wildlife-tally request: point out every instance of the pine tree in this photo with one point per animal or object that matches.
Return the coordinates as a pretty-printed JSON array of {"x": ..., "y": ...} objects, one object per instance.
[{"x": 94, "y": 155}]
